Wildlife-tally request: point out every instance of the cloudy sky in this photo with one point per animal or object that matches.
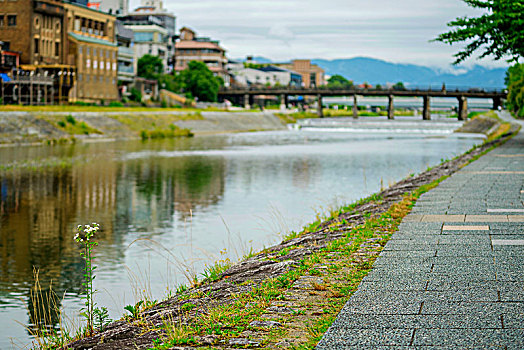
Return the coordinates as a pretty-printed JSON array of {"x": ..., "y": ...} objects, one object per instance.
[{"x": 393, "y": 30}]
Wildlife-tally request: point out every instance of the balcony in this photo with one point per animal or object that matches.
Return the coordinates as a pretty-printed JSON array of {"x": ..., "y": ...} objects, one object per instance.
[
  {"x": 126, "y": 51},
  {"x": 125, "y": 69}
]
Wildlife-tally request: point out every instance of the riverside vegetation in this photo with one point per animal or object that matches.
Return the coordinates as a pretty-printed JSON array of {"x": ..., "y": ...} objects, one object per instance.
[{"x": 285, "y": 296}]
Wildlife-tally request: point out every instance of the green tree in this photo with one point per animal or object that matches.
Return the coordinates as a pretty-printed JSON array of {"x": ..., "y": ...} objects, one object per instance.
[
  {"x": 198, "y": 81},
  {"x": 338, "y": 81},
  {"x": 169, "y": 82},
  {"x": 498, "y": 32},
  {"x": 399, "y": 86},
  {"x": 150, "y": 67},
  {"x": 515, "y": 84}
]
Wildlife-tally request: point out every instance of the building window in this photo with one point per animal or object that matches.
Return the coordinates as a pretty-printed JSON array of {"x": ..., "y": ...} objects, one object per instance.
[
  {"x": 37, "y": 45},
  {"x": 1, "y": 20},
  {"x": 57, "y": 49},
  {"x": 94, "y": 51},
  {"x": 57, "y": 26},
  {"x": 37, "y": 22},
  {"x": 79, "y": 77},
  {"x": 11, "y": 20},
  {"x": 79, "y": 50},
  {"x": 88, "y": 50}
]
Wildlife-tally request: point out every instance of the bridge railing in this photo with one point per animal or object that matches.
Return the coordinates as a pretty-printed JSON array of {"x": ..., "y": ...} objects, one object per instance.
[{"x": 356, "y": 89}]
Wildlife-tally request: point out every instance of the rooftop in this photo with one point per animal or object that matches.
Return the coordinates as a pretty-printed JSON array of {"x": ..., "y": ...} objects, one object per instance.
[{"x": 191, "y": 44}]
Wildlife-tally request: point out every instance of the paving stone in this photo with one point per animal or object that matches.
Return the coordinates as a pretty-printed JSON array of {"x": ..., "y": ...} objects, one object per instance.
[
  {"x": 510, "y": 242},
  {"x": 443, "y": 218},
  {"x": 365, "y": 337},
  {"x": 417, "y": 321},
  {"x": 465, "y": 228},
  {"x": 486, "y": 218},
  {"x": 506, "y": 210},
  {"x": 465, "y": 337}
]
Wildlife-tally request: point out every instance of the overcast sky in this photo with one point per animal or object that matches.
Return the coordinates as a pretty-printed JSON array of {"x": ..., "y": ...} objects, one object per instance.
[{"x": 392, "y": 30}]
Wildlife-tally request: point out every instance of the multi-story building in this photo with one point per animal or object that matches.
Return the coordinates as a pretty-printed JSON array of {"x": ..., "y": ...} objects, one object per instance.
[
  {"x": 264, "y": 75},
  {"x": 127, "y": 64},
  {"x": 33, "y": 28},
  {"x": 192, "y": 48},
  {"x": 154, "y": 29},
  {"x": 91, "y": 47},
  {"x": 115, "y": 7},
  {"x": 65, "y": 40},
  {"x": 312, "y": 74}
]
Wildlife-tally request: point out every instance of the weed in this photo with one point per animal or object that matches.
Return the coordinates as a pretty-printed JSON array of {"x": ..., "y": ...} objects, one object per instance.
[
  {"x": 70, "y": 119},
  {"x": 212, "y": 273},
  {"x": 84, "y": 236},
  {"x": 134, "y": 310},
  {"x": 101, "y": 318}
]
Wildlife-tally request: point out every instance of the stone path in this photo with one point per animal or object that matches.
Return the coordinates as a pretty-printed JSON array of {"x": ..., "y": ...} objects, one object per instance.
[{"x": 452, "y": 277}]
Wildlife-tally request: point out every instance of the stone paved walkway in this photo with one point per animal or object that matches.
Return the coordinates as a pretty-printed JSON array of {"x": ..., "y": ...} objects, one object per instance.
[{"x": 452, "y": 277}]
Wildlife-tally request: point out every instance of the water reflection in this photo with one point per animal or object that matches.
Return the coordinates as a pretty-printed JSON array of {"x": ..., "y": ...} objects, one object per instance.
[{"x": 188, "y": 196}]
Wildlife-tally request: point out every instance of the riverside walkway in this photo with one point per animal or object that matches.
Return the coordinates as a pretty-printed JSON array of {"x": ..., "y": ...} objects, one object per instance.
[{"x": 452, "y": 277}]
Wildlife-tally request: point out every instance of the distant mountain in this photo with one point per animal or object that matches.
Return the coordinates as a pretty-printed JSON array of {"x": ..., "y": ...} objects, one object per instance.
[
  {"x": 374, "y": 71},
  {"x": 257, "y": 59}
]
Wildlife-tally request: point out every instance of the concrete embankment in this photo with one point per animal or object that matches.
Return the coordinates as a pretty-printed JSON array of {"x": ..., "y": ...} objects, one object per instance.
[
  {"x": 222, "y": 122},
  {"x": 43, "y": 127}
]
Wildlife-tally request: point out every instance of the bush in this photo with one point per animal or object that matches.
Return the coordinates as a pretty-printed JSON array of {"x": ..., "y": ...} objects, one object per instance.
[
  {"x": 135, "y": 95},
  {"x": 116, "y": 104},
  {"x": 71, "y": 120}
]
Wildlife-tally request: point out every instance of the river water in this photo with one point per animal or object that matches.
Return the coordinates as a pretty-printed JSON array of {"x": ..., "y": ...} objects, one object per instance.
[{"x": 170, "y": 207}]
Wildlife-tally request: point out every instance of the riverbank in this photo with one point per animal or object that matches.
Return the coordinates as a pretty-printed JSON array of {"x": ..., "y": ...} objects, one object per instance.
[
  {"x": 288, "y": 292},
  {"x": 34, "y": 127}
]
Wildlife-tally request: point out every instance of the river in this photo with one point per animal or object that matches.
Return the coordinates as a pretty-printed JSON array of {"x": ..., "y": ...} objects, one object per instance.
[{"x": 168, "y": 208}]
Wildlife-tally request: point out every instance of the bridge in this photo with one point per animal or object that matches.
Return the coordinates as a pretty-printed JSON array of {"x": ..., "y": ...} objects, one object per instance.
[{"x": 284, "y": 92}]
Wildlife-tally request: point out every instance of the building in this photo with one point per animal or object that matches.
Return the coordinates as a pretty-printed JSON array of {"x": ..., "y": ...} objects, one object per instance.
[
  {"x": 33, "y": 28},
  {"x": 67, "y": 41},
  {"x": 192, "y": 48},
  {"x": 127, "y": 64},
  {"x": 90, "y": 46},
  {"x": 312, "y": 74},
  {"x": 115, "y": 7},
  {"x": 264, "y": 76},
  {"x": 155, "y": 31}
]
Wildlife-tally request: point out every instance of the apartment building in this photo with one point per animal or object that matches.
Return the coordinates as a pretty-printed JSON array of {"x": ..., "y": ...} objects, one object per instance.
[
  {"x": 312, "y": 74},
  {"x": 154, "y": 29},
  {"x": 192, "y": 48}
]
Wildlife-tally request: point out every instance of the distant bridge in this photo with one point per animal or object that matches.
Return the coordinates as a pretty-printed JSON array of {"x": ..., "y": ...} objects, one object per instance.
[{"x": 284, "y": 92}]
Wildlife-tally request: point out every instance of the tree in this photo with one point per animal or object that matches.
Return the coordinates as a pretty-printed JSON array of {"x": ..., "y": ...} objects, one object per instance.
[
  {"x": 150, "y": 67},
  {"x": 515, "y": 84},
  {"x": 338, "y": 81},
  {"x": 499, "y": 32},
  {"x": 399, "y": 86},
  {"x": 200, "y": 82}
]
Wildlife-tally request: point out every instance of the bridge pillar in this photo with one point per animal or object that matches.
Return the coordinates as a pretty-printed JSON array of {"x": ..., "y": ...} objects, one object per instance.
[
  {"x": 319, "y": 106},
  {"x": 391, "y": 110},
  {"x": 426, "y": 113},
  {"x": 355, "y": 107},
  {"x": 283, "y": 102},
  {"x": 463, "y": 108},
  {"x": 497, "y": 102},
  {"x": 246, "y": 101}
]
